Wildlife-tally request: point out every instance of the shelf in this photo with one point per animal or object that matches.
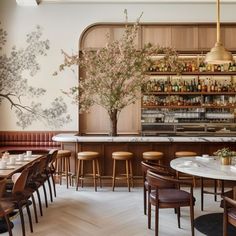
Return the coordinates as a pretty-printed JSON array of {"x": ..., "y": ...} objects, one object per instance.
[
  {"x": 189, "y": 93},
  {"x": 192, "y": 106},
  {"x": 191, "y": 73}
]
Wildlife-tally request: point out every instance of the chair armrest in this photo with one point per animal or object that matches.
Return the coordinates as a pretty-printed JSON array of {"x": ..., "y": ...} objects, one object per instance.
[{"x": 229, "y": 202}]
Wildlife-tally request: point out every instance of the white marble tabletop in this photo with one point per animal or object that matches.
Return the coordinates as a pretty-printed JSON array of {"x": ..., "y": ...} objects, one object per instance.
[
  {"x": 73, "y": 137},
  {"x": 205, "y": 167}
]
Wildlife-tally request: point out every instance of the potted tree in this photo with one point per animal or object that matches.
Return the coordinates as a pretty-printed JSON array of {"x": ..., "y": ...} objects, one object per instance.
[
  {"x": 225, "y": 155},
  {"x": 114, "y": 74}
]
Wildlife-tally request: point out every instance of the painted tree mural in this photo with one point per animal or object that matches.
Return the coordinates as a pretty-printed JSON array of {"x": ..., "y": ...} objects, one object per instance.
[{"x": 14, "y": 88}]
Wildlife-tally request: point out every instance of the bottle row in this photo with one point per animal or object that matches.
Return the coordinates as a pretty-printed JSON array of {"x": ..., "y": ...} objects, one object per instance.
[
  {"x": 192, "y": 66},
  {"x": 176, "y": 100},
  {"x": 190, "y": 85}
]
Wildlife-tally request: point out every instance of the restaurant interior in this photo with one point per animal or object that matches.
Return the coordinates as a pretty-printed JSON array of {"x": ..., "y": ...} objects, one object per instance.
[{"x": 117, "y": 117}]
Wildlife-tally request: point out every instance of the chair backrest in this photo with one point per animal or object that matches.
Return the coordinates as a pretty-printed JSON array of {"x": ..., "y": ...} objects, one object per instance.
[
  {"x": 185, "y": 154},
  {"x": 2, "y": 186},
  {"x": 20, "y": 183},
  {"x": 148, "y": 165},
  {"x": 157, "y": 180},
  {"x": 53, "y": 156}
]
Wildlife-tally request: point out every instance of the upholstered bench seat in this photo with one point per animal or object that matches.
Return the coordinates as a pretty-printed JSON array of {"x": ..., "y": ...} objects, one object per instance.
[{"x": 36, "y": 141}]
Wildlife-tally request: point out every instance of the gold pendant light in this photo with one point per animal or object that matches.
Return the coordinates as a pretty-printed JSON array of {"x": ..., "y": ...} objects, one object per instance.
[{"x": 218, "y": 54}]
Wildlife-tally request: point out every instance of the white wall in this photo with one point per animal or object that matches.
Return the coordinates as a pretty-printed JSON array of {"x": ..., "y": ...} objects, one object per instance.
[{"x": 63, "y": 23}]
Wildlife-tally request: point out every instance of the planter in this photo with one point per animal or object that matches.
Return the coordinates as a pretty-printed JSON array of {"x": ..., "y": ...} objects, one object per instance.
[{"x": 225, "y": 160}]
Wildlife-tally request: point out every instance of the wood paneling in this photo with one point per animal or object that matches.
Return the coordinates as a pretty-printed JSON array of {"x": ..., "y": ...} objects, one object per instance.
[
  {"x": 160, "y": 35},
  {"x": 184, "y": 38},
  {"x": 207, "y": 37},
  {"x": 137, "y": 148},
  {"x": 229, "y": 37}
]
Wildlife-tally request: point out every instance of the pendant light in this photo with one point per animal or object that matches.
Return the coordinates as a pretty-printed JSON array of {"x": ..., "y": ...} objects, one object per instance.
[{"x": 218, "y": 54}]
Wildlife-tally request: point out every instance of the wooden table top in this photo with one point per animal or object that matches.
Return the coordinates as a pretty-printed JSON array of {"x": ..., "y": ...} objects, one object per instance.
[{"x": 18, "y": 166}]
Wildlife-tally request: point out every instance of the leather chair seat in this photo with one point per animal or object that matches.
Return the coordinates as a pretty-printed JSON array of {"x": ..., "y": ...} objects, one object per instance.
[{"x": 171, "y": 196}]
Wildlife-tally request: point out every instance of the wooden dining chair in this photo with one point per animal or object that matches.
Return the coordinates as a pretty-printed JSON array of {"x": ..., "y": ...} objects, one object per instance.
[
  {"x": 6, "y": 208},
  {"x": 149, "y": 165},
  {"x": 229, "y": 214},
  {"x": 17, "y": 197},
  {"x": 167, "y": 194}
]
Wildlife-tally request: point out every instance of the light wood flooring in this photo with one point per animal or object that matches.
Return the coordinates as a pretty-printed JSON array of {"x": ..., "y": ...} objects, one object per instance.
[{"x": 107, "y": 213}]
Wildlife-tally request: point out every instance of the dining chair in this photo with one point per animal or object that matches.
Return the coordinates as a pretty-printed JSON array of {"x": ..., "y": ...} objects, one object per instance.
[
  {"x": 167, "y": 194},
  {"x": 6, "y": 208},
  {"x": 149, "y": 165},
  {"x": 17, "y": 197},
  {"x": 229, "y": 214}
]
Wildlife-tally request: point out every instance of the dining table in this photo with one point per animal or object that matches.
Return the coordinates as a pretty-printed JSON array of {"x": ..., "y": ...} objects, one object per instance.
[
  {"x": 19, "y": 164},
  {"x": 205, "y": 166},
  {"x": 209, "y": 167}
]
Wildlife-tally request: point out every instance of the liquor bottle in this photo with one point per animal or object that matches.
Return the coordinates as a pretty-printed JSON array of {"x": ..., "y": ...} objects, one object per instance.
[
  {"x": 184, "y": 88},
  {"x": 199, "y": 86}
]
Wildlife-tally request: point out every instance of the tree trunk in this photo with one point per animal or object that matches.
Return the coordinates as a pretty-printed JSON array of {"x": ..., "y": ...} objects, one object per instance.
[{"x": 113, "y": 123}]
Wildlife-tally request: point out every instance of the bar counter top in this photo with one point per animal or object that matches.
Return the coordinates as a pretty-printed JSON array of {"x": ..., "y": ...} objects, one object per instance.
[{"x": 74, "y": 138}]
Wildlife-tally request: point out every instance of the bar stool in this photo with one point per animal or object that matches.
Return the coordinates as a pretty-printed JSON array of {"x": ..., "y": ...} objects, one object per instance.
[
  {"x": 63, "y": 165},
  {"x": 185, "y": 176},
  {"x": 153, "y": 156},
  {"x": 93, "y": 157},
  {"x": 127, "y": 157}
]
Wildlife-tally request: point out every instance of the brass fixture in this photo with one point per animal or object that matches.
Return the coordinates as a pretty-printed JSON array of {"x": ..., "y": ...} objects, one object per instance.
[{"x": 218, "y": 54}]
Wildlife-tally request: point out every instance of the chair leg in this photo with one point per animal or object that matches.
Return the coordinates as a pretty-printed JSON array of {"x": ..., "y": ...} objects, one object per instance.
[
  {"x": 178, "y": 216},
  {"x": 35, "y": 209},
  {"x": 21, "y": 218},
  {"x": 114, "y": 175},
  {"x": 66, "y": 170},
  {"x": 40, "y": 203},
  {"x": 45, "y": 195},
  {"x": 215, "y": 189},
  {"x": 202, "y": 200},
  {"x": 192, "y": 219},
  {"x": 29, "y": 217},
  {"x": 131, "y": 173},
  {"x": 6, "y": 217},
  {"x": 54, "y": 184},
  {"x": 99, "y": 173},
  {"x": 149, "y": 212},
  {"x": 78, "y": 175},
  {"x": 49, "y": 187},
  {"x": 156, "y": 220},
  {"x": 94, "y": 175},
  {"x": 145, "y": 199},
  {"x": 82, "y": 173},
  {"x": 127, "y": 174}
]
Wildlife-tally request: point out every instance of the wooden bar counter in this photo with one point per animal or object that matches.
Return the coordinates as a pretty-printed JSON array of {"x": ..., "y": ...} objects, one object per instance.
[{"x": 105, "y": 145}]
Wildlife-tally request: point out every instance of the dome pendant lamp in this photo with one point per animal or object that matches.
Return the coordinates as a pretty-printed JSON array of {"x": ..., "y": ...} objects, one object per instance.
[{"x": 218, "y": 54}]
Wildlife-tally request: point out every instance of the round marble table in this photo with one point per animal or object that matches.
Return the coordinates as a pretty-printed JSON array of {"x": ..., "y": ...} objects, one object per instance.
[{"x": 208, "y": 167}]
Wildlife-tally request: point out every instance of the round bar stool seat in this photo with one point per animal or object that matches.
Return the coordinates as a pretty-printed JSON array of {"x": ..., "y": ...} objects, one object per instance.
[
  {"x": 153, "y": 156},
  {"x": 185, "y": 154},
  {"x": 127, "y": 157},
  {"x": 88, "y": 156},
  {"x": 63, "y": 165}
]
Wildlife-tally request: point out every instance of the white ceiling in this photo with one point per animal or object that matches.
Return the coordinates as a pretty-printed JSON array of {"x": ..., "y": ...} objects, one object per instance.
[{"x": 36, "y": 2}]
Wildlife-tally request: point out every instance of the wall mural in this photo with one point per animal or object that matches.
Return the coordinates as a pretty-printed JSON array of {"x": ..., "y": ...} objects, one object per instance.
[{"x": 14, "y": 88}]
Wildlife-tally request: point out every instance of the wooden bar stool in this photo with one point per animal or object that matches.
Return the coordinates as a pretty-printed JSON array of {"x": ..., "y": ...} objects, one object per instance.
[
  {"x": 153, "y": 156},
  {"x": 185, "y": 176},
  {"x": 127, "y": 157},
  {"x": 93, "y": 157},
  {"x": 63, "y": 165}
]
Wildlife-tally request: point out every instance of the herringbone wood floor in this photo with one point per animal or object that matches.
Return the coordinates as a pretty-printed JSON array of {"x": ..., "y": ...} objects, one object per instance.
[{"x": 107, "y": 213}]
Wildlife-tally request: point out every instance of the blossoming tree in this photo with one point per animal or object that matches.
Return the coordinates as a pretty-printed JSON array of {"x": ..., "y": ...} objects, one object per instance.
[{"x": 114, "y": 74}]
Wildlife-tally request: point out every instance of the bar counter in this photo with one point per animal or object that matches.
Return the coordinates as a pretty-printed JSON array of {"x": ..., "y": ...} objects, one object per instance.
[{"x": 105, "y": 145}]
